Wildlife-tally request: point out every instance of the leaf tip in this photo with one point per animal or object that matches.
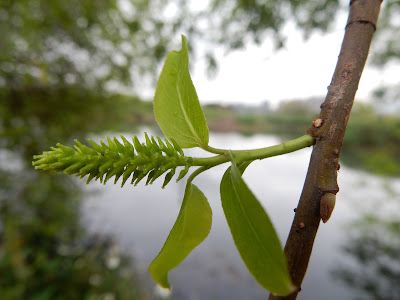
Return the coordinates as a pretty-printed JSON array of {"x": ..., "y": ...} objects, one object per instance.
[
  {"x": 161, "y": 278},
  {"x": 184, "y": 39}
]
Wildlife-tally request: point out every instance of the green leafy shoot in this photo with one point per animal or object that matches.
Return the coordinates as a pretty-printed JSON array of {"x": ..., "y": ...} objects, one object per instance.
[
  {"x": 176, "y": 105},
  {"x": 181, "y": 118},
  {"x": 190, "y": 229},
  {"x": 103, "y": 161},
  {"x": 254, "y": 234}
]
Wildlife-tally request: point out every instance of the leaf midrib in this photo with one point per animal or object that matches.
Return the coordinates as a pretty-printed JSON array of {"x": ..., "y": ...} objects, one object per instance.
[
  {"x": 187, "y": 120},
  {"x": 256, "y": 234}
]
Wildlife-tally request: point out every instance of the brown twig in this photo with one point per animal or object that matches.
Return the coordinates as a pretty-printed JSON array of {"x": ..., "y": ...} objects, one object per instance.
[{"x": 328, "y": 130}]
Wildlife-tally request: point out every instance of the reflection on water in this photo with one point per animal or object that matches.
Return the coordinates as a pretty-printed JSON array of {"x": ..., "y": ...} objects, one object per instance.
[
  {"x": 373, "y": 245},
  {"x": 141, "y": 217},
  {"x": 42, "y": 240},
  {"x": 45, "y": 252}
]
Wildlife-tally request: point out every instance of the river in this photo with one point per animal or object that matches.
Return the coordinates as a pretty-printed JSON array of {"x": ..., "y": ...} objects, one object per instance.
[{"x": 140, "y": 218}]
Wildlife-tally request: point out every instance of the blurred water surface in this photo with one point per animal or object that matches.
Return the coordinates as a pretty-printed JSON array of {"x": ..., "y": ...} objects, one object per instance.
[{"x": 141, "y": 217}]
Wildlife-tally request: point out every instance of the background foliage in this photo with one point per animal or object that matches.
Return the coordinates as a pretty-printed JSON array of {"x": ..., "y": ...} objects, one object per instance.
[
  {"x": 60, "y": 65},
  {"x": 93, "y": 42}
]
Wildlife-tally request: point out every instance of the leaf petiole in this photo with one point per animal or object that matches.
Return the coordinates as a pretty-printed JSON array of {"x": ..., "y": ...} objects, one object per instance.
[{"x": 210, "y": 149}]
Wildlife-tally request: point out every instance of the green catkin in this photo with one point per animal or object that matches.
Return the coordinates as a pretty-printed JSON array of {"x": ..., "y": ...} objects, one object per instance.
[{"x": 101, "y": 161}]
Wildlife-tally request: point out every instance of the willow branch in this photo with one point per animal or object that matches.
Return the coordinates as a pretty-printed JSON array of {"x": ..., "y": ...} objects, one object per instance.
[
  {"x": 328, "y": 130},
  {"x": 150, "y": 159}
]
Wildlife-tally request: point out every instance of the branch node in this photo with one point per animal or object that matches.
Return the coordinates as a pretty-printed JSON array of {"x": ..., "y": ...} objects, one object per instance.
[
  {"x": 318, "y": 122},
  {"x": 362, "y": 21}
]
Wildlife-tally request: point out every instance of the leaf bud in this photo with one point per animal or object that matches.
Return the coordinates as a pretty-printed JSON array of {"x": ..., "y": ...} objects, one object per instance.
[{"x": 327, "y": 205}]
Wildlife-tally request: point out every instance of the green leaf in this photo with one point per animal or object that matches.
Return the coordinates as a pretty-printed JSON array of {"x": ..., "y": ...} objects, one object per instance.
[
  {"x": 176, "y": 105},
  {"x": 254, "y": 234},
  {"x": 190, "y": 229}
]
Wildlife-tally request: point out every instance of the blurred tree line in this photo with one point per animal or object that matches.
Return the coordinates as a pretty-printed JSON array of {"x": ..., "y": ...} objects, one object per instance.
[
  {"x": 110, "y": 44},
  {"x": 371, "y": 143},
  {"x": 63, "y": 68},
  {"x": 113, "y": 45}
]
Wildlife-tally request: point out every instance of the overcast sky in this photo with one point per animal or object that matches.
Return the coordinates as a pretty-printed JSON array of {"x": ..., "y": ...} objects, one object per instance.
[{"x": 302, "y": 69}]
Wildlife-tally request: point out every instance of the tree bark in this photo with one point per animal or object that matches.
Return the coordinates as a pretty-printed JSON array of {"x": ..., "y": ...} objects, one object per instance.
[{"x": 328, "y": 130}]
